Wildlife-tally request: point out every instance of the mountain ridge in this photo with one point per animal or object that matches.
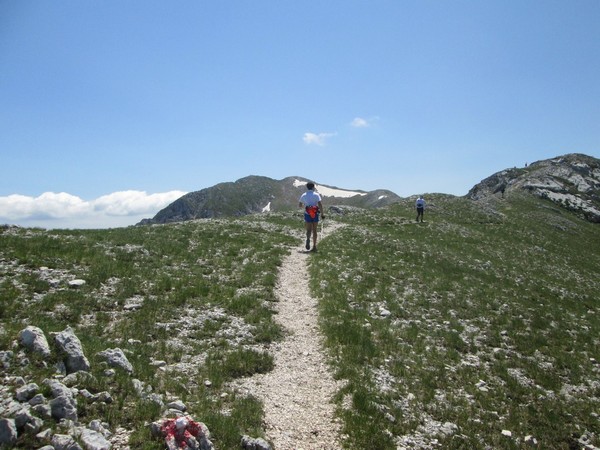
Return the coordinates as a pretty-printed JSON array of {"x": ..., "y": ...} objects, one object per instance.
[
  {"x": 571, "y": 181},
  {"x": 255, "y": 194}
]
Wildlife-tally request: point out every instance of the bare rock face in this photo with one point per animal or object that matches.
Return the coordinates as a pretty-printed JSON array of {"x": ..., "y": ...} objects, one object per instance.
[{"x": 571, "y": 181}]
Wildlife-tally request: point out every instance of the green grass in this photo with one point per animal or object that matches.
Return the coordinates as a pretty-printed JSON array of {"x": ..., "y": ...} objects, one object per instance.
[
  {"x": 482, "y": 319},
  {"x": 204, "y": 295},
  {"x": 505, "y": 295}
]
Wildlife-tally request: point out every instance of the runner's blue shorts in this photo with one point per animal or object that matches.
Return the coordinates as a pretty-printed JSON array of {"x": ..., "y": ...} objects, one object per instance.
[{"x": 309, "y": 219}]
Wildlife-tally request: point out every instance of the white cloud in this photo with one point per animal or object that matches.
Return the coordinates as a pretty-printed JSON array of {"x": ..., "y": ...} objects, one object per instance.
[
  {"x": 359, "y": 122},
  {"x": 62, "y": 210},
  {"x": 318, "y": 139},
  {"x": 127, "y": 203},
  {"x": 47, "y": 205}
]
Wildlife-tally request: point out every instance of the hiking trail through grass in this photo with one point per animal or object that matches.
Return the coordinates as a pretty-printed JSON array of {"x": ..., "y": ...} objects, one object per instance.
[{"x": 297, "y": 394}]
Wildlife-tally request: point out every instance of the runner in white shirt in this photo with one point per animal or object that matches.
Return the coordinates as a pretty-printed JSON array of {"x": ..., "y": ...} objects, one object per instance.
[{"x": 311, "y": 201}]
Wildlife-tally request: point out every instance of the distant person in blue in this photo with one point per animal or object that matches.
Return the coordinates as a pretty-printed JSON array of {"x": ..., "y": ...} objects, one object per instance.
[
  {"x": 311, "y": 201},
  {"x": 420, "y": 204}
]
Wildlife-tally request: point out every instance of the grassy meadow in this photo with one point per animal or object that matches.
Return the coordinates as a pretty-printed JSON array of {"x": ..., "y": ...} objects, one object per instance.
[
  {"x": 196, "y": 296},
  {"x": 479, "y": 328}
]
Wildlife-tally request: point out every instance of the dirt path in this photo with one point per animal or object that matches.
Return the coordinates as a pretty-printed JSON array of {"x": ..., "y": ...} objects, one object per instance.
[{"x": 297, "y": 393}]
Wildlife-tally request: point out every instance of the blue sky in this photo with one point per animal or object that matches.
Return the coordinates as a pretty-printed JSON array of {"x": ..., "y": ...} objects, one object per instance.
[{"x": 110, "y": 110}]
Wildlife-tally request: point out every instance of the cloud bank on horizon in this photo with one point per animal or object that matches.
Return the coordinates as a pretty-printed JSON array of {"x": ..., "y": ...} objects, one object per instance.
[{"x": 63, "y": 210}]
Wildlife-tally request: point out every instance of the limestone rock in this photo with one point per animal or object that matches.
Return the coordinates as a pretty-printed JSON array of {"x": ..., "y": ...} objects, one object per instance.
[
  {"x": 37, "y": 399},
  {"x": 43, "y": 410},
  {"x": 57, "y": 388},
  {"x": 8, "y": 431},
  {"x": 63, "y": 407},
  {"x": 93, "y": 440},
  {"x": 27, "y": 392},
  {"x": 100, "y": 427},
  {"x": 76, "y": 283},
  {"x": 64, "y": 442},
  {"x": 70, "y": 345},
  {"x": 5, "y": 358},
  {"x": 249, "y": 443},
  {"x": 33, "y": 339},
  {"x": 177, "y": 405},
  {"x": 76, "y": 378},
  {"x": 116, "y": 358},
  {"x": 181, "y": 432}
]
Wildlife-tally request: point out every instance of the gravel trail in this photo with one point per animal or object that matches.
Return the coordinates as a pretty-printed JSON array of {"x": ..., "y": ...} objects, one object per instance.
[{"x": 297, "y": 393}]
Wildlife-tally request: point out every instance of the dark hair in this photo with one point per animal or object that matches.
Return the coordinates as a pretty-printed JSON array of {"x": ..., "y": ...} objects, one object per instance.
[{"x": 310, "y": 185}]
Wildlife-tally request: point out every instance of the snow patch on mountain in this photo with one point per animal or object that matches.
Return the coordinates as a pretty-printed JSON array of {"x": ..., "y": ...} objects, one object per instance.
[{"x": 330, "y": 192}]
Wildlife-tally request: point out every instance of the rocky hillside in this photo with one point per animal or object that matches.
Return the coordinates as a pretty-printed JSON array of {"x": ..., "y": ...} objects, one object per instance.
[
  {"x": 255, "y": 194},
  {"x": 571, "y": 181}
]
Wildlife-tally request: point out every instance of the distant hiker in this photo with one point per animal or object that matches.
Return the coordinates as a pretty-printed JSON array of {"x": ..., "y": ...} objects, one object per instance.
[
  {"x": 311, "y": 201},
  {"x": 420, "y": 204}
]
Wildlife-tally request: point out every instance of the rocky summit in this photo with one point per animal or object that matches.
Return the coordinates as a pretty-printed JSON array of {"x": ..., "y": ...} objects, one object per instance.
[{"x": 571, "y": 181}]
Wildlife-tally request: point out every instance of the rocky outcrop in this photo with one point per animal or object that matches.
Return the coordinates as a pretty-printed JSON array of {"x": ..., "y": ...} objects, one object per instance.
[
  {"x": 25, "y": 411},
  {"x": 571, "y": 181},
  {"x": 24, "y": 408}
]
